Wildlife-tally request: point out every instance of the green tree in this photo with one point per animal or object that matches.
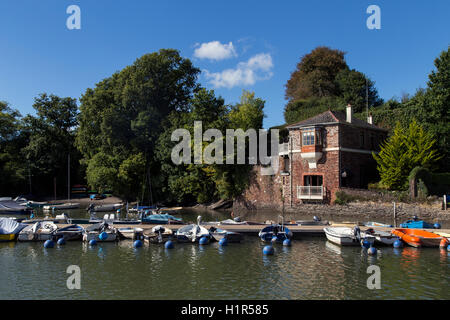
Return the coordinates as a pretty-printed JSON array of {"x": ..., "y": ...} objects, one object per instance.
[
  {"x": 12, "y": 167},
  {"x": 353, "y": 86},
  {"x": 315, "y": 74},
  {"x": 122, "y": 116},
  {"x": 51, "y": 140},
  {"x": 404, "y": 150}
]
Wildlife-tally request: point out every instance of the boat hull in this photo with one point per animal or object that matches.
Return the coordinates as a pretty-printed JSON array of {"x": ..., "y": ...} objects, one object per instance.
[
  {"x": 418, "y": 238},
  {"x": 344, "y": 236},
  {"x": 8, "y": 237},
  {"x": 94, "y": 235}
]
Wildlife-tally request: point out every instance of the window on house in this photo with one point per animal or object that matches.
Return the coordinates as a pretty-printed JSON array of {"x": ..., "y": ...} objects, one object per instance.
[
  {"x": 286, "y": 164},
  {"x": 361, "y": 139},
  {"x": 314, "y": 180},
  {"x": 311, "y": 138}
]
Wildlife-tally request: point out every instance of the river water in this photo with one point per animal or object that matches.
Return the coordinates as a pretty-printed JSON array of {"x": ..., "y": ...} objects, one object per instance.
[{"x": 312, "y": 268}]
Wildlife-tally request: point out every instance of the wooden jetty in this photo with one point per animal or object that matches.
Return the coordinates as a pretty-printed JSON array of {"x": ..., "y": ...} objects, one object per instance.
[{"x": 298, "y": 232}]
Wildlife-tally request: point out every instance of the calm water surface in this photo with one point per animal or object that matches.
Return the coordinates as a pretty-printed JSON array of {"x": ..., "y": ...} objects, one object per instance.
[{"x": 311, "y": 269}]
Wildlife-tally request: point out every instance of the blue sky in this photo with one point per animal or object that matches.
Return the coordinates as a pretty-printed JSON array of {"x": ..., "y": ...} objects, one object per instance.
[{"x": 246, "y": 44}]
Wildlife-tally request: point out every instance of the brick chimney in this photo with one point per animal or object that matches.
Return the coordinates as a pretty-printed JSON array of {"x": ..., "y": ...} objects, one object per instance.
[
  {"x": 349, "y": 113},
  {"x": 370, "y": 119}
]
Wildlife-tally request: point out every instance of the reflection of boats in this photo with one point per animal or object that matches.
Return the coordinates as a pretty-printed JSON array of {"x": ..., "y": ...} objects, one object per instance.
[
  {"x": 36, "y": 204},
  {"x": 346, "y": 236},
  {"x": 9, "y": 229},
  {"x": 219, "y": 234},
  {"x": 94, "y": 231},
  {"x": 64, "y": 206},
  {"x": 69, "y": 233},
  {"x": 161, "y": 219},
  {"x": 158, "y": 234},
  {"x": 382, "y": 237},
  {"x": 279, "y": 231},
  {"x": 418, "y": 238},
  {"x": 131, "y": 233},
  {"x": 377, "y": 224},
  {"x": 333, "y": 247},
  {"x": 39, "y": 231}
]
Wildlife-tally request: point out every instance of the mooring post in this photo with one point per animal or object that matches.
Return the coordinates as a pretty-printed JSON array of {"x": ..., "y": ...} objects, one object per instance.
[{"x": 395, "y": 216}]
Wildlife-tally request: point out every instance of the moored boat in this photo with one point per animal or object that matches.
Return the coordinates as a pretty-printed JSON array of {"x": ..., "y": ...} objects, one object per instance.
[
  {"x": 382, "y": 237},
  {"x": 69, "y": 233},
  {"x": 9, "y": 229},
  {"x": 192, "y": 232},
  {"x": 158, "y": 234},
  {"x": 64, "y": 206},
  {"x": 346, "y": 236},
  {"x": 39, "y": 231},
  {"x": 94, "y": 231},
  {"x": 277, "y": 231},
  {"x": 219, "y": 234},
  {"x": 131, "y": 233},
  {"x": 417, "y": 237},
  {"x": 377, "y": 224},
  {"x": 106, "y": 207},
  {"x": 161, "y": 219},
  {"x": 416, "y": 224},
  {"x": 12, "y": 207}
]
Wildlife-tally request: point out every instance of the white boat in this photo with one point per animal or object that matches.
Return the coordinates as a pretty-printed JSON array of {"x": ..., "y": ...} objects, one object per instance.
[
  {"x": 192, "y": 232},
  {"x": 39, "y": 231},
  {"x": 345, "y": 236},
  {"x": 158, "y": 234},
  {"x": 93, "y": 232},
  {"x": 106, "y": 207},
  {"x": 64, "y": 206},
  {"x": 131, "y": 233},
  {"x": 230, "y": 222},
  {"x": 382, "y": 237}
]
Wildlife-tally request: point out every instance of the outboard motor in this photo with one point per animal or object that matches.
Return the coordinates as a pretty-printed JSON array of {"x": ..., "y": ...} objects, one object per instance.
[
  {"x": 316, "y": 218},
  {"x": 357, "y": 233},
  {"x": 237, "y": 219},
  {"x": 415, "y": 218}
]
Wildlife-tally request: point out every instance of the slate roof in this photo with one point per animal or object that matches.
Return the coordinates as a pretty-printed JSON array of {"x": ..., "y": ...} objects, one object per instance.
[{"x": 330, "y": 117}]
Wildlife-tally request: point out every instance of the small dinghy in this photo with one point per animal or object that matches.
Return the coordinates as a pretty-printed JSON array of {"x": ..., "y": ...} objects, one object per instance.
[
  {"x": 316, "y": 221},
  {"x": 382, "y": 237},
  {"x": 64, "y": 206},
  {"x": 233, "y": 222},
  {"x": 346, "y": 236},
  {"x": 277, "y": 231},
  {"x": 94, "y": 231},
  {"x": 70, "y": 233},
  {"x": 219, "y": 234},
  {"x": 105, "y": 207},
  {"x": 158, "y": 234},
  {"x": 418, "y": 238},
  {"x": 192, "y": 232},
  {"x": 9, "y": 229},
  {"x": 12, "y": 207},
  {"x": 415, "y": 223},
  {"x": 131, "y": 233},
  {"x": 377, "y": 224},
  {"x": 161, "y": 219},
  {"x": 39, "y": 231}
]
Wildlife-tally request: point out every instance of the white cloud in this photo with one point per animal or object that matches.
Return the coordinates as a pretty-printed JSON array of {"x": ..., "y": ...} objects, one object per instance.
[
  {"x": 246, "y": 73},
  {"x": 214, "y": 50}
]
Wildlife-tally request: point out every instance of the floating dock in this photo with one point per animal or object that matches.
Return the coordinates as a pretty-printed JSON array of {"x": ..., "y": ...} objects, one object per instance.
[{"x": 298, "y": 232}]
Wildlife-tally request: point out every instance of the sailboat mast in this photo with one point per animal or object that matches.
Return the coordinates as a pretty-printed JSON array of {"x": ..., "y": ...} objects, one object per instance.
[{"x": 68, "y": 176}]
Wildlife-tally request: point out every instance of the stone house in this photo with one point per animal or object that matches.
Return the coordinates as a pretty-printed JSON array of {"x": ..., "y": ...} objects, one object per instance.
[{"x": 329, "y": 151}]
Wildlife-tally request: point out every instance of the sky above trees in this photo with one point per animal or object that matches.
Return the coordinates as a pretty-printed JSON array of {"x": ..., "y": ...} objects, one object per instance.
[{"x": 252, "y": 45}]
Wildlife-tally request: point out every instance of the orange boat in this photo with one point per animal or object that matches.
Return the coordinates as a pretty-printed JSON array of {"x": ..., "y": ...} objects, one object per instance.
[{"x": 418, "y": 237}]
